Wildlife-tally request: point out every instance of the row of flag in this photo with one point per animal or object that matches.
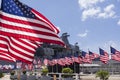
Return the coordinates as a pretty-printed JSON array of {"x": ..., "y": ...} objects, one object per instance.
[
  {"x": 22, "y": 30},
  {"x": 85, "y": 58},
  {"x": 70, "y": 60},
  {"x": 6, "y": 67},
  {"x": 35, "y": 65}
]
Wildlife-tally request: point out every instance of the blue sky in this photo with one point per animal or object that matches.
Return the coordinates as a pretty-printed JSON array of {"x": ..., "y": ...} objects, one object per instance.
[{"x": 91, "y": 23}]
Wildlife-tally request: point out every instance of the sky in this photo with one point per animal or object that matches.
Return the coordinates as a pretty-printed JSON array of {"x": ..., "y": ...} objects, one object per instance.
[{"x": 93, "y": 24}]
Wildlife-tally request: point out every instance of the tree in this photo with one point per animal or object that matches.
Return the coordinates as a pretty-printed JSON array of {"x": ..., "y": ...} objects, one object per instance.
[{"x": 103, "y": 75}]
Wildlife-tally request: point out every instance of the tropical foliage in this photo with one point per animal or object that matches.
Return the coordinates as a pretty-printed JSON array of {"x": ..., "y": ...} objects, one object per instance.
[{"x": 103, "y": 75}]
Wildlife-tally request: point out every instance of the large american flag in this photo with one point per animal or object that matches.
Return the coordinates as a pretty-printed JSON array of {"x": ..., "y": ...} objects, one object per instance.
[
  {"x": 115, "y": 54},
  {"x": 19, "y": 20},
  {"x": 104, "y": 57},
  {"x": 17, "y": 49},
  {"x": 22, "y": 29}
]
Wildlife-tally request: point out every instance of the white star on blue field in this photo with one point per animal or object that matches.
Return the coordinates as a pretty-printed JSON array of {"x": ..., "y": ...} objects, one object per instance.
[{"x": 91, "y": 23}]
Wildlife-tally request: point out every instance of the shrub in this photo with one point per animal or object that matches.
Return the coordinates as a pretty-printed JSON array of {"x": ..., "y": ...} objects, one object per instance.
[
  {"x": 67, "y": 72},
  {"x": 103, "y": 75},
  {"x": 45, "y": 71},
  {"x": 1, "y": 75},
  {"x": 12, "y": 72},
  {"x": 24, "y": 72}
]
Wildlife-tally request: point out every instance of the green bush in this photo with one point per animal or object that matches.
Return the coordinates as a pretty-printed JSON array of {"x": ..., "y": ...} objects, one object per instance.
[
  {"x": 12, "y": 72},
  {"x": 103, "y": 75},
  {"x": 1, "y": 75},
  {"x": 45, "y": 71},
  {"x": 67, "y": 72},
  {"x": 24, "y": 72}
]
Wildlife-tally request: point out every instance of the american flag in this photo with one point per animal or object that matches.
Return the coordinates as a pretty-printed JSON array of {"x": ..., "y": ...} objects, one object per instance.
[
  {"x": 45, "y": 62},
  {"x": 61, "y": 61},
  {"x": 39, "y": 64},
  {"x": 75, "y": 59},
  {"x": 86, "y": 57},
  {"x": 30, "y": 66},
  {"x": 115, "y": 54},
  {"x": 22, "y": 29},
  {"x": 51, "y": 62},
  {"x": 104, "y": 57},
  {"x": 35, "y": 61},
  {"x": 4, "y": 50},
  {"x": 17, "y": 49},
  {"x": 93, "y": 55},
  {"x": 19, "y": 20},
  {"x": 18, "y": 65},
  {"x": 68, "y": 60}
]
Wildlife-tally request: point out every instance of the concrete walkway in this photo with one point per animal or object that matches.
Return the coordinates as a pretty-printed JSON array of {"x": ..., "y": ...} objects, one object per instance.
[
  {"x": 93, "y": 77},
  {"x": 6, "y": 77},
  {"x": 84, "y": 77}
]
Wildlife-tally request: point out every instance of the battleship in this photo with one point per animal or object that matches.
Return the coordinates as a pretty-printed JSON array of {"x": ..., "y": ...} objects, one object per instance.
[{"x": 50, "y": 51}]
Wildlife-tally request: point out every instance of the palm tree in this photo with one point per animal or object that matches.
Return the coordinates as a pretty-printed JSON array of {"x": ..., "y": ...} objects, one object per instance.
[{"x": 103, "y": 75}]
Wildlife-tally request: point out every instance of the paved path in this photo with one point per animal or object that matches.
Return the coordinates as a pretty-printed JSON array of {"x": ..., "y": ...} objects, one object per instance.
[
  {"x": 92, "y": 77},
  {"x": 6, "y": 77},
  {"x": 85, "y": 77}
]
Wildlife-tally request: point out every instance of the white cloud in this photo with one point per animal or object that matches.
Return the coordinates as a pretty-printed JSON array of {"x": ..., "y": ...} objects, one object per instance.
[
  {"x": 90, "y": 13},
  {"x": 118, "y": 22},
  {"x": 83, "y": 34},
  {"x": 90, "y": 9},
  {"x": 108, "y": 12},
  {"x": 85, "y": 4}
]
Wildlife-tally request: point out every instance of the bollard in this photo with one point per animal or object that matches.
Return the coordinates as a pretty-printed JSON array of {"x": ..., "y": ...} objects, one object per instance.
[
  {"x": 18, "y": 75},
  {"x": 54, "y": 77}
]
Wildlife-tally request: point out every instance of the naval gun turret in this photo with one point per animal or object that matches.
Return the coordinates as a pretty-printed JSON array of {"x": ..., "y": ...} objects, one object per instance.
[
  {"x": 74, "y": 48},
  {"x": 52, "y": 50}
]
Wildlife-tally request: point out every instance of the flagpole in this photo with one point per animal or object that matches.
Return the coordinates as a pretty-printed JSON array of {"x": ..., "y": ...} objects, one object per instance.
[
  {"x": 1, "y": 4},
  {"x": 74, "y": 64},
  {"x": 18, "y": 74},
  {"x": 52, "y": 68}
]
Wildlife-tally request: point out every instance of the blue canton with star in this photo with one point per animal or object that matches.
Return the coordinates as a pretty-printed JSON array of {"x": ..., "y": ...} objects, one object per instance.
[{"x": 15, "y": 7}]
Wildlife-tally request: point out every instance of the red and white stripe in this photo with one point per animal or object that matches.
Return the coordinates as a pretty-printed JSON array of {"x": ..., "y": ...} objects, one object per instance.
[
  {"x": 116, "y": 56},
  {"x": 87, "y": 59},
  {"x": 94, "y": 56},
  {"x": 30, "y": 66},
  {"x": 104, "y": 58},
  {"x": 18, "y": 49},
  {"x": 41, "y": 17},
  {"x": 33, "y": 29},
  {"x": 4, "y": 55},
  {"x": 45, "y": 61}
]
